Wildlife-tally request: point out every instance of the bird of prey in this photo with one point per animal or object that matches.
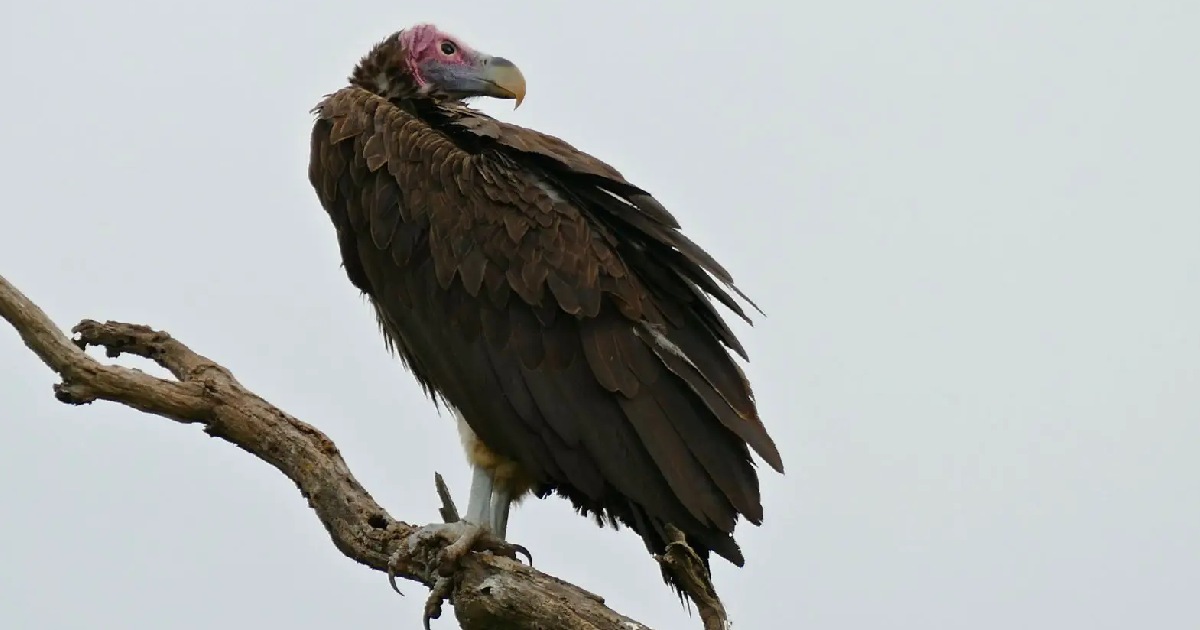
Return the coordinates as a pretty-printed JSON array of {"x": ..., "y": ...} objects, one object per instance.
[{"x": 554, "y": 307}]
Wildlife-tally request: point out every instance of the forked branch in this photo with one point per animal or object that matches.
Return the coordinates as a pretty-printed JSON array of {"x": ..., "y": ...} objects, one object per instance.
[{"x": 488, "y": 591}]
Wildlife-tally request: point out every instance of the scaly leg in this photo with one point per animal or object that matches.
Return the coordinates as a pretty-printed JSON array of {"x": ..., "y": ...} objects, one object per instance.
[
  {"x": 500, "y": 502},
  {"x": 488, "y": 505},
  {"x": 479, "y": 502}
]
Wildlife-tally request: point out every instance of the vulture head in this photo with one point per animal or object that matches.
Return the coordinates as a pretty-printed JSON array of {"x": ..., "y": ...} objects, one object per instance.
[{"x": 424, "y": 62}]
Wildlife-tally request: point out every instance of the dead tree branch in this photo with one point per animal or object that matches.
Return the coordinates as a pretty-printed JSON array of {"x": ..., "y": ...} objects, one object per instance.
[{"x": 487, "y": 591}]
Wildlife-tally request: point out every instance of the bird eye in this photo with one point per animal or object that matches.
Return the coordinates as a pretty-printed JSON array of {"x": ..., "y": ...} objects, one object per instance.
[{"x": 448, "y": 47}]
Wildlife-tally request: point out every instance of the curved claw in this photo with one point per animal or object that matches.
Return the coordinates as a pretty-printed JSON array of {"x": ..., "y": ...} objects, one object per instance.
[
  {"x": 391, "y": 572},
  {"x": 496, "y": 546},
  {"x": 433, "y": 604},
  {"x": 523, "y": 551}
]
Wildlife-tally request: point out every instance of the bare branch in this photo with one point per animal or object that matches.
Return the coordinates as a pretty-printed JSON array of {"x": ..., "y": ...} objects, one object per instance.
[
  {"x": 687, "y": 567},
  {"x": 487, "y": 590}
]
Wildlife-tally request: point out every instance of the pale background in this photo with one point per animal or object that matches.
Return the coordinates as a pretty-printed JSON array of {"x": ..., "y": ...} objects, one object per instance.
[{"x": 973, "y": 226}]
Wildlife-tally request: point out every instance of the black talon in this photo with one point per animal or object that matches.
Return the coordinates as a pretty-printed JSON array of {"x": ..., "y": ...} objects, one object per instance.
[{"x": 522, "y": 550}]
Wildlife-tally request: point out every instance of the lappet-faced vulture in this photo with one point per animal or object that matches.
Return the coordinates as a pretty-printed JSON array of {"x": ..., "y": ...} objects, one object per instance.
[{"x": 555, "y": 307}]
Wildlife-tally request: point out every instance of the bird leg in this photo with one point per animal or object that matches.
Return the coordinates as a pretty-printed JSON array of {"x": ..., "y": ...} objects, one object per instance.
[
  {"x": 488, "y": 505},
  {"x": 487, "y": 521},
  {"x": 500, "y": 502},
  {"x": 479, "y": 501}
]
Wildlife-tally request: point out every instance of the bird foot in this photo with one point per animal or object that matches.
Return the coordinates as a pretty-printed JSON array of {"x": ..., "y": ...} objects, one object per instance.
[
  {"x": 471, "y": 537},
  {"x": 466, "y": 537}
]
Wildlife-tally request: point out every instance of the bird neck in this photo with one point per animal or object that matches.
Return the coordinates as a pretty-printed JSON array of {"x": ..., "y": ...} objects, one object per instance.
[{"x": 385, "y": 71}]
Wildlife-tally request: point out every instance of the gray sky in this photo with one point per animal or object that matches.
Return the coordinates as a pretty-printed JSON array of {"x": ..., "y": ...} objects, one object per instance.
[{"x": 973, "y": 227}]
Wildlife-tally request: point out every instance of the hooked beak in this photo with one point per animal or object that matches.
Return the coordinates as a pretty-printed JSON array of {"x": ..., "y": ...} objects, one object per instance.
[{"x": 502, "y": 79}]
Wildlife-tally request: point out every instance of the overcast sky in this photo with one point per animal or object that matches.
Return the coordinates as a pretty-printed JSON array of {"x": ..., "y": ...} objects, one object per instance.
[{"x": 973, "y": 226}]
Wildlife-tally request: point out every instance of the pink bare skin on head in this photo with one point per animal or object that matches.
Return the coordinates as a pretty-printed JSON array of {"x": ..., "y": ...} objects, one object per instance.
[{"x": 425, "y": 42}]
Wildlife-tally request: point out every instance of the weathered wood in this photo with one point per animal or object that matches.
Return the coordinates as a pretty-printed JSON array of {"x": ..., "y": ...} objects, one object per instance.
[{"x": 488, "y": 591}]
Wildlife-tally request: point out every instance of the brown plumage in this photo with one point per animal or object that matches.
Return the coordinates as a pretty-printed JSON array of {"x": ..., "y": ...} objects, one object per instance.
[{"x": 552, "y": 303}]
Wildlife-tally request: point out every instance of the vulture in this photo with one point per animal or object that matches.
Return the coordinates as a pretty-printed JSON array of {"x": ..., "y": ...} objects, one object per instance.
[{"x": 554, "y": 308}]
